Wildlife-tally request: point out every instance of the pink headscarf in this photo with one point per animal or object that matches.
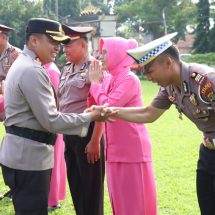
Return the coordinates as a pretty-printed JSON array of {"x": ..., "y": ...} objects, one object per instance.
[
  {"x": 54, "y": 74},
  {"x": 118, "y": 60}
]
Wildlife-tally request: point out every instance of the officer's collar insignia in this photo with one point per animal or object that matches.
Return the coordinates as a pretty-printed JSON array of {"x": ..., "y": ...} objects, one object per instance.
[
  {"x": 193, "y": 99},
  {"x": 83, "y": 66},
  {"x": 198, "y": 78},
  {"x": 206, "y": 92}
]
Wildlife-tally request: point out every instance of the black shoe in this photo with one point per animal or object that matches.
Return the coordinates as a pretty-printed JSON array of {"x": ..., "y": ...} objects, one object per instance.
[
  {"x": 54, "y": 207},
  {"x": 8, "y": 194}
]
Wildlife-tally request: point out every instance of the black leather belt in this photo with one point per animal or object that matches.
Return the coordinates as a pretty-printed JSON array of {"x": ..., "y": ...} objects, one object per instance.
[{"x": 39, "y": 136}]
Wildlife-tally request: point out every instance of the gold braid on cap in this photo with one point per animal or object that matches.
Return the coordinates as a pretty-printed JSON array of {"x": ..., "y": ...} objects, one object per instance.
[
  {"x": 61, "y": 30},
  {"x": 56, "y": 32}
]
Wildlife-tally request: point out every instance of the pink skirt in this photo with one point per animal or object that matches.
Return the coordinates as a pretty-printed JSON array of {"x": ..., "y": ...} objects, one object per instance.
[
  {"x": 58, "y": 178},
  {"x": 132, "y": 188}
]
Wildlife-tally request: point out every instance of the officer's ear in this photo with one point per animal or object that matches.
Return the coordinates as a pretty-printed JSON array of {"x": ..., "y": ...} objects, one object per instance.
[
  {"x": 168, "y": 61},
  {"x": 83, "y": 42},
  {"x": 34, "y": 39},
  {"x": 3, "y": 36}
]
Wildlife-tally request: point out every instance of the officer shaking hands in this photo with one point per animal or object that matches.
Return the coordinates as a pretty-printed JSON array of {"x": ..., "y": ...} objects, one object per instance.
[
  {"x": 84, "y": 156},
  {"x": 191, "y": 88},
  {"x": 32, "y": 118}
]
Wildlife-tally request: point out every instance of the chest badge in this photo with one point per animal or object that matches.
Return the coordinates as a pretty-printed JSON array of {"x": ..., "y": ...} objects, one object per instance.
[
  {"x": 83, "y": 74},
  {"x": 193, "y": 99},
  {"x": 171, "y": 98},
  {"x": 6, "y": 61}
]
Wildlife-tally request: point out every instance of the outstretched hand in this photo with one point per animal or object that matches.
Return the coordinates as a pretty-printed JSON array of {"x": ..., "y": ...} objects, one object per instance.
[{"x": 102, "y": 113}]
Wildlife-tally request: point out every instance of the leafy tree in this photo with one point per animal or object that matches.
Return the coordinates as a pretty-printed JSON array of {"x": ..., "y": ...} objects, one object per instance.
[
  {"x": 61, "y": 8},
  {"x": 212, "y": 31},
  {"x": 148, "y": 15},
  {"x": 69, "y": 7},
  {"x": 201, "y": 43},
  {"x": 15, "y": 14}
]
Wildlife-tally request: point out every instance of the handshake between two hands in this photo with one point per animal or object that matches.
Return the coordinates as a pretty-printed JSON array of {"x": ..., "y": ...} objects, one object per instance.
[{"x": 102, "y": 113}]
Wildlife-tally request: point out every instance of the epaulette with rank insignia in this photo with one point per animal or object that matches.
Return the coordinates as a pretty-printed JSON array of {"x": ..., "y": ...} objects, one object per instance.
[
  {"x": 198, "y": 78},
  {"x": 11, "y": 49},
  {"x": 15, "y": 55}
]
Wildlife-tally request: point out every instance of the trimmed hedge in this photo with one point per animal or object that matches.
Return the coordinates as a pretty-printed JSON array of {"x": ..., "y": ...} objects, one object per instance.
[{"x": 207, "y": 58}]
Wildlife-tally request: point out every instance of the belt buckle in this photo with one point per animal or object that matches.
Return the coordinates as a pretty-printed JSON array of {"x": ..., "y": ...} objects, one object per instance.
[{"x": 208, "y": 143}]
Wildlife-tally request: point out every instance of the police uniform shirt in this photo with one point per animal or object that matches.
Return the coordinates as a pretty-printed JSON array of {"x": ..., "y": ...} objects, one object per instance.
[
  {"x": 74, "y": 87},
  {"x": 29, "y": 103},
  {"x": 196, "y": 100},
  {"x": 7, "y": 58}
]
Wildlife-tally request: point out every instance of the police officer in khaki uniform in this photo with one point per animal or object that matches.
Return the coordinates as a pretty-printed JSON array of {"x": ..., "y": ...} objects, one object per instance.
[
  {"x": 84, "y": 155},
  {"x": 191, "y": 88},
  {"x": 26, "y": 152},
  {"x": 8, "y": 53}
]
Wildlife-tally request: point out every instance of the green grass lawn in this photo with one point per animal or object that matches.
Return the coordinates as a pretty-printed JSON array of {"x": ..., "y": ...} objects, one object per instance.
[{"x": 175, "y": 153}]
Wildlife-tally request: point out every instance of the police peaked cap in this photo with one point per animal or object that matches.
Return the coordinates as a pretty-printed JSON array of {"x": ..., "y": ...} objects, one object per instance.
[
  {"x": 4, "y": 28},
  {"x": 76, "y": 32},
  {"x": 145, "y": 54},
  {"x": 49, "y": 27}
]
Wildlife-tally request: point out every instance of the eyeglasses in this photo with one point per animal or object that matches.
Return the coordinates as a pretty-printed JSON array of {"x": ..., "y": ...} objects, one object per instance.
[{"x": 103, "y": 54}]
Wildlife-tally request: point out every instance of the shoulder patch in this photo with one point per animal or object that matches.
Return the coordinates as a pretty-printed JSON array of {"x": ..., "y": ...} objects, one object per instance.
[{"x": 206, "y": 92}]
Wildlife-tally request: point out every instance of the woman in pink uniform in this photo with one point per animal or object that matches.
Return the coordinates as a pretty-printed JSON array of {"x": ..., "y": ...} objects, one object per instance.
[
  {"x": 58, "y": 179},
  {"x": 130, "y": 174}
]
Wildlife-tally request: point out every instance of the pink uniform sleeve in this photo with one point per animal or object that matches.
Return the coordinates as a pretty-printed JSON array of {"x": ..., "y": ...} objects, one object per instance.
[
  {"x": 120, "y": 95},
  {"x": 90, "y": 100}
]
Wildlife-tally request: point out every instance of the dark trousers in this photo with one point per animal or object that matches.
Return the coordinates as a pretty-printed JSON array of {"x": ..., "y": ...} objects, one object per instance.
[
  {"x": 86, "y": 181},
  {"x": 205, "y": 180},
  {"x": 206, "y": 192},
  {"x": 30, "y": 190}
]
